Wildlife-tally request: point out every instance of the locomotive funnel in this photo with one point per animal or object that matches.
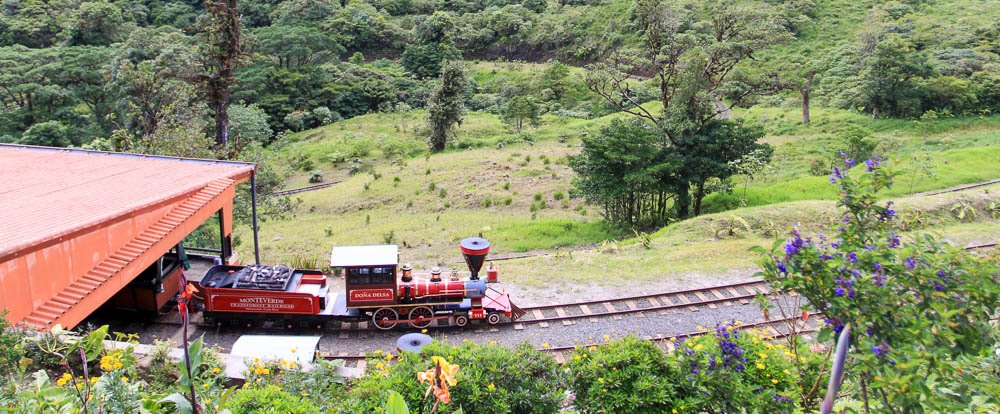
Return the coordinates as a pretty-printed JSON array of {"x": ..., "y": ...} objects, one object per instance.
[{"x": 475, "y": 249}]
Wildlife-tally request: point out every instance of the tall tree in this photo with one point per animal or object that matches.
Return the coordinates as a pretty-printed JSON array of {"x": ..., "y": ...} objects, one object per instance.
[
  {"x": 519, "y": 110},
  {"x": 445, "y": 107},
  {"x": 693, "y": 53},
  {"x": 221, "y": 53}
]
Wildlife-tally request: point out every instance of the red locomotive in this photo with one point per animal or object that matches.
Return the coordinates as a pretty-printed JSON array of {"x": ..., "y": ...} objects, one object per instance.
[{"x": 374, "y": 290}]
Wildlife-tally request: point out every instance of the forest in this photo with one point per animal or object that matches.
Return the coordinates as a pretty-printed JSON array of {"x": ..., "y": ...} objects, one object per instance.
[{"x": 132, "y": 73}]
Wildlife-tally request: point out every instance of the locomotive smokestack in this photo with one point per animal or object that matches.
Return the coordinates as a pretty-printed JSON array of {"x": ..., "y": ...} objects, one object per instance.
[{"x": 475, "y": 249}]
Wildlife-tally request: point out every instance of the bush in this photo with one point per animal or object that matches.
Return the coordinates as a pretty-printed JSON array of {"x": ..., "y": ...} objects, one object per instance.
[
  {"x": 48, "y": 134},
  {"x": 269, "y": 400},
  {"x": 734, "y": 370},
  {"x": 624, "y": 376},
  {"x": 491, "y": 379},
  {"x": 937, "y": 334},
  {"x": 315, "y": 176}
]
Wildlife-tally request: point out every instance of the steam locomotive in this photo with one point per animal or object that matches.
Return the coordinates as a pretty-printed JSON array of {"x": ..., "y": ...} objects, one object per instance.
[{"x": 376, "y": 289}]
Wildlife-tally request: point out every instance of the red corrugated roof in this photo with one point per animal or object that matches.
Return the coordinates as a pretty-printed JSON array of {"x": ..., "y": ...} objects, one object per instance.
[{"x": 47, "y": 193}]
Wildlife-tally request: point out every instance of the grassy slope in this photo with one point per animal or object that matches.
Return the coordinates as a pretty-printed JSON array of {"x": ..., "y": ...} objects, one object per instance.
[{"x": 431, "y": 223}]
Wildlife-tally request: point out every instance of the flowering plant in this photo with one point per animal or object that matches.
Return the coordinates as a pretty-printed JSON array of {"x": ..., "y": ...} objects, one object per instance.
[
  {"x": 438, "y": 379},
  {"x": 920, "y": 309}
]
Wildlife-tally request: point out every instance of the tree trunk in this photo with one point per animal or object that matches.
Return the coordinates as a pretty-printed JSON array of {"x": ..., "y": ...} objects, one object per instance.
[
  {"x": 222, "y": 119},
  {"x": 683, "y": 201},
  {"x": 698, "y": 195},
  {"x": 806, "y": 87}
]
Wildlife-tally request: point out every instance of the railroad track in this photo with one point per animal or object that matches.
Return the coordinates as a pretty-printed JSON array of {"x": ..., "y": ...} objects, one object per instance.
[
  {"x": 320, "y": 186},
  {"x": 773, "y": 329},
  {"x": 712, "y": 297}
]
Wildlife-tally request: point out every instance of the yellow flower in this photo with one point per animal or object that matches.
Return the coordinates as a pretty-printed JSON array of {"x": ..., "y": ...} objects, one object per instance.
[
  {"x": 65, "y": 378},
  {"x": 93, "y": 380},
  {"x": 256, "y": 361},
  {"x": 600, "y": 380},
  {"x": 774, "y": 381},
  {"x": 379, "y": 365},
  {"x": 216, "y": 370},
  {"x": 205, "y": 385},
  {"x": 760, "y": 366},
  {"x": 124, "y": 379},
  {"x": 762, "y": 355},
  {"x": 292, "y": 350},
  {"x": 423, "y": 331},
  {"x": 787, "y": 372},
  {"x": 389, "y": 357},
  {"x": 292, "y": 365},
  {"x": 675, "y": 411},
  {"x": 305, "y": 394},
  {"x": 491, "y": 387},
  {"x": 607, "y": 338},
  {"x": 545, "y": 345}
]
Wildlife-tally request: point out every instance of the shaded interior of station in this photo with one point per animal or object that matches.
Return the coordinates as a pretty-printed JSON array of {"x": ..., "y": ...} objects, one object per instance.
[{"x": 87, "y": 230}]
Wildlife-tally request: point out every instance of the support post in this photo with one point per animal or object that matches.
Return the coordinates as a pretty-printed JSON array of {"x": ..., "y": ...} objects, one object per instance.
[{"x": 253, "y": 208}]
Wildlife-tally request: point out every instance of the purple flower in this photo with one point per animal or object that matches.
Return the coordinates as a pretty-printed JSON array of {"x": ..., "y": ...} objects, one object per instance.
[
  {"x": 850, "y": 293},
  {"x": 837, "y": 175},
  {"x": 781, "y": 399},
  {"x": 852, "y": 257},
  {"x": 894, "y": 241},
  {"x": 869, "y": 332},
  {"x": 910, "y": 263},
  {"x": 878, "y": 267},
  {"x": 781, "y": 267},
  {"x": 880, "y": 350},
  {"x": 839, "y": 291},
  {"x": 849, "y": 162},
  {"x": 872, "y": 164}
]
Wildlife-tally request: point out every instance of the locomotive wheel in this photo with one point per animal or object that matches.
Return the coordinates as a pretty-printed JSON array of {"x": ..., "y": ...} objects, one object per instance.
[
  {"x": 461, "y": 320},
  {"x": 493, "y": 318},
  {"x": 421, "y": 312},
  {"x": 385, "y": 318}
]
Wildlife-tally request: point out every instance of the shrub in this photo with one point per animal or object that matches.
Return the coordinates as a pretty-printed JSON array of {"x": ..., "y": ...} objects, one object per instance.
[
  {"x": 316, "y": 176},
  {"x": 734, "y": 370},
  {"x": 269, "y": 399},
  {"x": 937, "y": 333},
  {"x": 491, "y": 379},
  {"x": 558, "y": 195},
  {"x": 625, "y": 376}
]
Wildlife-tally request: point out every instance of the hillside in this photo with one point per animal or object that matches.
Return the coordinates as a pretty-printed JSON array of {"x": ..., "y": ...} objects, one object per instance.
[{"x": 520, "y": 195}]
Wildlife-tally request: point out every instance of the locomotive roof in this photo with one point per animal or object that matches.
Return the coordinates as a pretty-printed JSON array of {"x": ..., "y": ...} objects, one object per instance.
[{"x": 380, "y": 255}]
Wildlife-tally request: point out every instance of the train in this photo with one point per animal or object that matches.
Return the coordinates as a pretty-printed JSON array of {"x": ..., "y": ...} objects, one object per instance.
[{"x": 377, "y": 290}]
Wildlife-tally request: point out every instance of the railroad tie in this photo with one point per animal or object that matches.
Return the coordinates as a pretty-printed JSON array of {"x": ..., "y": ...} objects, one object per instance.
[
  {"x": 543, "y": 324},
  {"x": 653, "y": 301},
  {"x": 610, "y": 307},
  {"x": 703, "y": 298},
  {"x": 518, "y": 326},
  {"x": 585, "y": 309},
  {"x": 537, "y": 314}
]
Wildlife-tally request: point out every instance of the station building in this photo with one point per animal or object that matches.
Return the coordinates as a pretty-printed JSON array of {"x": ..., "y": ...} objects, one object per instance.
[{"x": 81, "y": 230}]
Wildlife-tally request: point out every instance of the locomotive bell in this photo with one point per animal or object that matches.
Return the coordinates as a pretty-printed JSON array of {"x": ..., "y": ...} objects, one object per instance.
[{"x": 475, "y": 249}]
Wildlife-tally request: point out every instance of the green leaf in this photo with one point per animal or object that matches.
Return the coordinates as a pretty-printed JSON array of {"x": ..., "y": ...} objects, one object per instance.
[
  {"x": 395, "y": 404},
  {"x": 182, "y": 404}
]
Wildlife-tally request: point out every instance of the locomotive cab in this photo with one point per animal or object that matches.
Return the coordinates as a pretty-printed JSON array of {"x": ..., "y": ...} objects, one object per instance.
[{"x": 369, "y": 272}]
